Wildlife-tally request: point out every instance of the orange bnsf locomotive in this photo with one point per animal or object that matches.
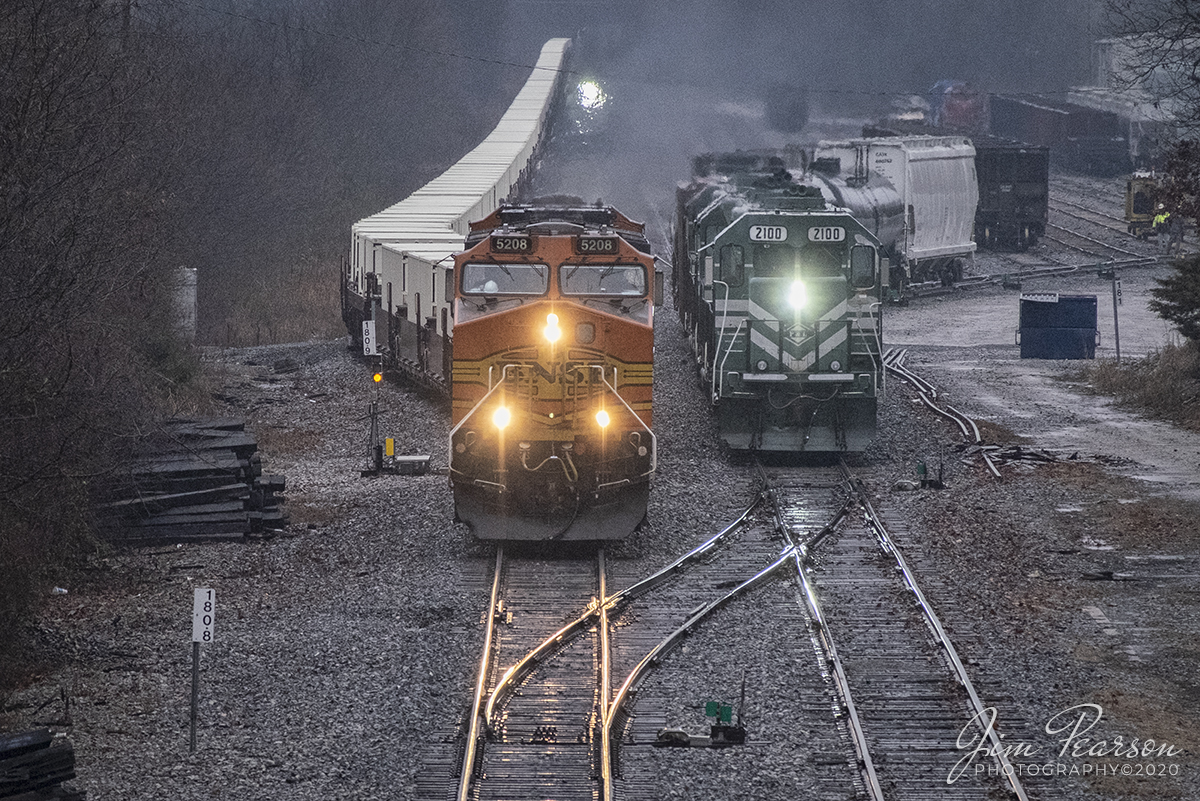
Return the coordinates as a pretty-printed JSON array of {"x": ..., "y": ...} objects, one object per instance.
[{"x": 552, "y": 376}]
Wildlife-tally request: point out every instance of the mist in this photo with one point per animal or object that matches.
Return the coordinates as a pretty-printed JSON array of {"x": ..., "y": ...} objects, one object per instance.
[{"x": 686, "y": 77}]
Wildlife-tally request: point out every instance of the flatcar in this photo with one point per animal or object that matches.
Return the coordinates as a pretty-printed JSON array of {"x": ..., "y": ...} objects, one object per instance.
[
  {"x": 780, "y": 293},
  {"x": 553, "y": 374}
]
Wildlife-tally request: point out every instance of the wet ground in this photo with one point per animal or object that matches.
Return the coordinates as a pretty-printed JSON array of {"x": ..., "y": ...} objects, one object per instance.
[{"x": 966, "y": 343}]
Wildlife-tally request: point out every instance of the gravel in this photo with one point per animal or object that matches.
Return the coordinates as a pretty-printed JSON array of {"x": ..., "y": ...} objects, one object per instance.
[{"x": 346, "y": 642}]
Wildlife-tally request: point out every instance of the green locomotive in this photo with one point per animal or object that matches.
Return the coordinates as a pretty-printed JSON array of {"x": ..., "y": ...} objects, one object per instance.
[{"x": 780, "y": 290}]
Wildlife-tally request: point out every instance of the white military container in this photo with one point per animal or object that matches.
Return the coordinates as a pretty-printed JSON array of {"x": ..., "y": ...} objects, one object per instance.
[{"x": 935, "y": 179}]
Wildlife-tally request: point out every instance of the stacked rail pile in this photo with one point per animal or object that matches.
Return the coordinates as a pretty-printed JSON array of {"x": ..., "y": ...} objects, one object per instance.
[
  {"x": 31, "y": 769},
  {"x": 203, "y": 480}
]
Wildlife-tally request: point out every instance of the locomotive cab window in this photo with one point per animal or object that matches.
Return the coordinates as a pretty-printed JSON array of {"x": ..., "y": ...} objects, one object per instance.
[
  {"x": 823, "y": 260},
  {"x": 862, "y": 266},
  {"x": 774, "y": 260},
  {"x": 505, "y": 279},
  {"x": 621, "y": 280},
  {"x": 733, "y": 265}
]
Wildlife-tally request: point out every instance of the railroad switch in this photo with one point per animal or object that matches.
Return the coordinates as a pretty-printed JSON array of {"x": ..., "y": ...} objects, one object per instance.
[
  {"x": 382, "y": 457},
  {"x": 926, "y": 481},
  {"x": 721, "y": 734}
]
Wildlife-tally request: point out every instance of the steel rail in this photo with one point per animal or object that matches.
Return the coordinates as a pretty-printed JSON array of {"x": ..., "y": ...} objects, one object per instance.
[
  {"x": 1097, "y": 212},
  {"x": 606, "y": 776},
  {"x": 528, "y": 663},
  {"x": 935, "y": 624},
  {"x": 972, "y": 282},
  {"x": 803, "y": 554},
  {"x": 633, "y": 680},
  {"x": 468, "y": 763},
  {"x": 635, "y": 676},
  {"x": 965, "y": 423},
  {"x": 1087, "y": 238}
]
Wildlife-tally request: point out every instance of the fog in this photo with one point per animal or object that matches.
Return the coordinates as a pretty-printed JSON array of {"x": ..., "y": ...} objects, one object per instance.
[
  {"x": 278, "y": 123},
  {"x": 686, "y": 77}
]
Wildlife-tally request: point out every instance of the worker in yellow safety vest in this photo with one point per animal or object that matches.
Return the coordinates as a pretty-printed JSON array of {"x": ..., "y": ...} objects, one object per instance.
[{"x": 1160, "y": 226}]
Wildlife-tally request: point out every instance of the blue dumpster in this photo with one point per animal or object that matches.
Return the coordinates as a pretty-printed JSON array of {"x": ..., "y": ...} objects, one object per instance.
[{"x": 1054, "y": 326}]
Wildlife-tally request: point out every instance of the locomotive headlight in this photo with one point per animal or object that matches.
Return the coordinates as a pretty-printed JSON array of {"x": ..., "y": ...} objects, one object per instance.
[
  {"x": 797, "y": 295},
  {"x": 552, "y": 332},
  {"x": 501, "y": 417},
  {"x": 602, "y": 418}
]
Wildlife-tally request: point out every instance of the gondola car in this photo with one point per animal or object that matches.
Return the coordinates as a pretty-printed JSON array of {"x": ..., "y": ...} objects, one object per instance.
[
  {"x": 553, "y": 374},
  {"x": 780, "y": 293},
  {"x": 1080, "y": 138}
]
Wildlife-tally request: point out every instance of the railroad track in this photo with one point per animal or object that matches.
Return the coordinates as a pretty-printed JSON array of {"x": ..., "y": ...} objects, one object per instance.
[
  {"x": 1103, "y": 255},
  {"x": 907, "y": 691},
  {"x": 1048, "y": 267},
  {"x": 893, "y": 362},
  {"x": 540, "y": 741},
  {"x": 738, "y": 615},
  {"x": 1091, "y": 215},
  {"x": 789, "y": 572},
  {"x": 545, "y": 726}
]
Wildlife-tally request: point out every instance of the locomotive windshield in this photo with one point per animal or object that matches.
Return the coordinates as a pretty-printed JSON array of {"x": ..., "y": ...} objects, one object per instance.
[
  {"x": 623, "y": 280},
  {"x": 814, "y": 260},
  {"x": 505, "y": 279}
]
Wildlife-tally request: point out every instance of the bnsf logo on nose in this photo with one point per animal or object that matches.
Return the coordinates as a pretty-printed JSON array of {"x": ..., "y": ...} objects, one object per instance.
[{"x": 767, "y": 233}]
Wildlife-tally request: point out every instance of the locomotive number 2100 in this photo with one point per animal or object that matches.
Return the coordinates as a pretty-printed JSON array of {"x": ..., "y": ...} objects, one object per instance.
[
  {"x": 827, "y": 233},
  {"x": 768, "y": 233}
]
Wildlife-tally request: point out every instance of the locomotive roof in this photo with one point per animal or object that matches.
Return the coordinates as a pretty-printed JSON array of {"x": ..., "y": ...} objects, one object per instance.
[
  {"x": 760, "y": 177},
  {"x": 560, "y": 219}
]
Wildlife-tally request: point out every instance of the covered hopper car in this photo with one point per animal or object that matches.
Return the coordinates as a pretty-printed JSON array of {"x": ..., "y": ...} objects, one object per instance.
[{"x": 1013, "y": 183}]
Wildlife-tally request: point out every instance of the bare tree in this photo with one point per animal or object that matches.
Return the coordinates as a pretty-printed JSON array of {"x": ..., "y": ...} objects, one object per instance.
[
  {"x": 1156, "y": 50},
  {"x": 82, "y": 298}
]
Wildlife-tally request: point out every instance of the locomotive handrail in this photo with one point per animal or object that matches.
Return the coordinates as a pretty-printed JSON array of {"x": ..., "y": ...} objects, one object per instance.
[
  {"x": 881, "y": 384},
  {"x": 721, "y": 336},
  {"x": 475, "y": 408},
  {"x": 721, "y": 387}
]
